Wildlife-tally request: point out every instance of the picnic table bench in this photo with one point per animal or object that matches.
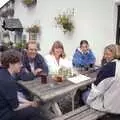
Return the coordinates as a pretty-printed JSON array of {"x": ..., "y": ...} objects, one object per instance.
[
  {"x": 81, "y": 113},
  {"x": 51, "y": 92},
  {"x": 84, "y": 112}
]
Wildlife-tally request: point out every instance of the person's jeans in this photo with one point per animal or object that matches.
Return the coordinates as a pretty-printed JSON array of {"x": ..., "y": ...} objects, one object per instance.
[{"x": 85, "y": 95}]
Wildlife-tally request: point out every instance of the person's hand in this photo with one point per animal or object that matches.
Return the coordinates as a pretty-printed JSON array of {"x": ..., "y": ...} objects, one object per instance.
[
  {"x": 38, "y": 70},
  {"x": 35, "y": 103}
]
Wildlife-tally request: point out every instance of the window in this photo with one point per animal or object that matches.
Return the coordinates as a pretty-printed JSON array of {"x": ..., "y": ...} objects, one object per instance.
[
  {"x": 18, "y": 36},
  {"x": 118, "y": 27}
]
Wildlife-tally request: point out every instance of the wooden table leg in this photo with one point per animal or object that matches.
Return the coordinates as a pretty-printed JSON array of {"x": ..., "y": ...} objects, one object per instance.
[
  {"x": 56, "y": 109},
  {"x": 73, "y": 98}
]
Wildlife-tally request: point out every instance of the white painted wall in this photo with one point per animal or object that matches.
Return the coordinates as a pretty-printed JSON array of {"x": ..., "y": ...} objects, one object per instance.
[{"x": 95, "y": 21}]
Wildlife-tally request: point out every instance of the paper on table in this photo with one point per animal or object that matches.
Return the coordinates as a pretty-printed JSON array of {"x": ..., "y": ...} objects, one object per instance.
[{"x": 79, "y": 78}]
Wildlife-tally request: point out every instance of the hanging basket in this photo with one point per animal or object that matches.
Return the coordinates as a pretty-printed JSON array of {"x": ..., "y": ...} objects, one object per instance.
[
  {"x": 65, "y": 21},
  {"x": 33, "y": 29},
  {"x": 29, "y": 2}
]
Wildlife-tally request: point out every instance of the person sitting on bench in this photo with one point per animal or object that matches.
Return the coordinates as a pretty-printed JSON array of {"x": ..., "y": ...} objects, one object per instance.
[
  {"x": 83, "y": 56},
  {"x": 104, "y": 93},
  {"x": 13, "y": 107}
]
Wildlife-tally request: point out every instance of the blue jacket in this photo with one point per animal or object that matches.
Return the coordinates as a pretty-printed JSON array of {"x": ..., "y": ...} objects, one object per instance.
[
  {"x": 83, "y": 59},
  {"x": 26, "y": 73}
]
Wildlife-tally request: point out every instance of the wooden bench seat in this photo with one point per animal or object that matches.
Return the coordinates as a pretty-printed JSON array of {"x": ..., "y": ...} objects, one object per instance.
[{"x": 82, "y": 113}]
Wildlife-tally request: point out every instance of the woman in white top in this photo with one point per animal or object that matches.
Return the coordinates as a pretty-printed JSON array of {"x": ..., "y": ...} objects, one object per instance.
[{"x": 56, "y": 58}]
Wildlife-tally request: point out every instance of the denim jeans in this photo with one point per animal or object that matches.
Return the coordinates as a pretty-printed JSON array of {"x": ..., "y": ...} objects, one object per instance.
[{"x": 85, "y": 95}]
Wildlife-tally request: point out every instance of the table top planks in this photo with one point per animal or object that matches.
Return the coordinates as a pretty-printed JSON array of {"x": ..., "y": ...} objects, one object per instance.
[{"x": 52, "y": 89}]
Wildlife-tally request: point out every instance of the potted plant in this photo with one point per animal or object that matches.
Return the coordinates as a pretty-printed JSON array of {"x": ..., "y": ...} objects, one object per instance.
[
  {"x": 65, "y": 21},
  {"x": 33, "y": 29},
  {"x": 29, "y": 2},
  {"x": 20, "y": 45}
]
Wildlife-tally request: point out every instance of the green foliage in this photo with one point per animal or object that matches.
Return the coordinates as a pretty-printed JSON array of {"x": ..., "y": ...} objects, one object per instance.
[
  {"x": 66, "y": 22},
  {"x": 29, "y": 2},
  {"x": 65, "y": 72},
  {"x": 21, "y": 45},
  {"x": 33, "y": 29}
]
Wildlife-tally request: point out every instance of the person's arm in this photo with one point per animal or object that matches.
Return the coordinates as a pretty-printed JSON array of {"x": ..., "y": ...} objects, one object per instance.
[
  {"x": 91, "y": 58},
  {"x": 44, "y": 64},
  {"x": 100, "y": 89},
  {"x": 22, "y": 106},
  {"x": 106, "y": 71},
  {"x": 21, "y": 99},
  {"x": 8, "y": 90},
  {"x": 77, "y": 60},
  {"x": 24, "y": 103},
  {"x": 25, "y": 75}
]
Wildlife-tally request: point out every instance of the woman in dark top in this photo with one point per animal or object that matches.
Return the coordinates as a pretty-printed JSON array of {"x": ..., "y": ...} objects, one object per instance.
[
  {"x": 10, "y": 107},
  {"x": 103, "y": 93}
]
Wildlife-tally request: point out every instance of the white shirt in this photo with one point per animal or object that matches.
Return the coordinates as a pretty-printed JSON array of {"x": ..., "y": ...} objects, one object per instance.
[
  {"x": 53, "y": 65},
  {"x": 32, "y": 66}
]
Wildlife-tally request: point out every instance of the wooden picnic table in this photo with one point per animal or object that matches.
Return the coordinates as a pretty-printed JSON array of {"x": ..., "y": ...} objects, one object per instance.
[{"x": 53, "y": 90}]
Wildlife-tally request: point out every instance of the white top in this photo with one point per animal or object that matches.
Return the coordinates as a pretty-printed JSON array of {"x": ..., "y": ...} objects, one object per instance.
[
  {"x": 53, "y": 66},
  {"x": 32, "y": 66}
]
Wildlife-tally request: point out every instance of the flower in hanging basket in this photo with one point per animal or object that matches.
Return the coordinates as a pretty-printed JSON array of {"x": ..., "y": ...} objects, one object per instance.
[
  {"x": 66, "y": 22},
  {"x": 33, "y": 29},
  {"x": 20, "y": 45},
  {"x": 29, "y": 2}
]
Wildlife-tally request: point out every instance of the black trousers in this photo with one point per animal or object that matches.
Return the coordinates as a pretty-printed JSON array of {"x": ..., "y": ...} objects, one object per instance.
[{"x": 29, "y": 113}]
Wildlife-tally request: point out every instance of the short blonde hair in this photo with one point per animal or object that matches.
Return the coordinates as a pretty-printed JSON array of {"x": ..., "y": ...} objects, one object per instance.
[
  {"x": 57, "y": 44},
  {"x": 115, "y": 49},
  {"x": 112, "y": 49}
]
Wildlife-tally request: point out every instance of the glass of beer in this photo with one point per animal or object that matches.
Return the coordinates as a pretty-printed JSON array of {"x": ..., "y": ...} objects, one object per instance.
[
  {"x": 59, "y": 78},
  {"x": 43, "y": 78}
]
